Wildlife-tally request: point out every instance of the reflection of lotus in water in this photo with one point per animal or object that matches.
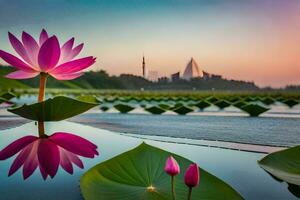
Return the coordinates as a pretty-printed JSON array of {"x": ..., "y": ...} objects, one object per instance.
[{"x": 48, "y": 153}]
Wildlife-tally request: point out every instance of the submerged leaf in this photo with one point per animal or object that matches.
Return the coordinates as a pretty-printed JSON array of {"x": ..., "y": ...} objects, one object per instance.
[
  {"x": 139, "y": 174},
  {"x": 53, "y": 109}
]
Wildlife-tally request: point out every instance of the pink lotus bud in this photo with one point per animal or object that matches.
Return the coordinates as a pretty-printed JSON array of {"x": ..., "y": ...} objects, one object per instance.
[
  {"x": 192, "y": 176},
  {"x": 172, "y": 168}
]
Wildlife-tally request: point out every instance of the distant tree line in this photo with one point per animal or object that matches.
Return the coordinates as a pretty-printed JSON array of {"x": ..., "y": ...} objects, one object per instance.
[{"x": 102, "y": 80}]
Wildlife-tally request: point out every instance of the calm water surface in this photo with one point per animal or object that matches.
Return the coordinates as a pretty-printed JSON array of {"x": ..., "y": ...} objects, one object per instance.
[{"x": 237, "y": 168}]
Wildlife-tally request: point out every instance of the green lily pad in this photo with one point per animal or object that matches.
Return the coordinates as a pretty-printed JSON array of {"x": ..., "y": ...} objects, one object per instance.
[
  {"x": 2, "y": 100},
  {"x": 104, "y": 108},
  {"x": 164, "y": 106},
  {"x": 139, "y": 174},
  {"x": 155, "y": 110},
  {"x": 212, "y": 99},
  {"x": 53, "y": 109},
  {"x": 268, "y": 101},
  {"x": 290, "y": 102},
  {"x": 183, "y": 110},
  {"x": 202, "y": 104},
  {"x": 7, "y": 95},
  {"x": 123, "y": 108},
  {"x": 239, "y": 104},
  {"x": 89, "y": 99},
  {"x": 222, "y": 104},
  {"x": 284, "y": 165},
  {"x": 254, "y": 109}
]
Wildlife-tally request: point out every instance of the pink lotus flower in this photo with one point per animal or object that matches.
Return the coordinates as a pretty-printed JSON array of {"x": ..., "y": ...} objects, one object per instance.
[
  {"x": 172, "y": 168},
  {"x": 45, "y": 56},
  {"x": 192, "y": 176},
  {"x": 48, "y": 153}
]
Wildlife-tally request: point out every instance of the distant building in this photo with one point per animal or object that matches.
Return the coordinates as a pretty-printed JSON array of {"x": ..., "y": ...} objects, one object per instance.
[
  {"x": 192, "y": 70},
  {"x": 153, "y": 76},
  {"x": 163, "y": 79},
  {"x": 144, "y": 67},
  {"x": 175, "y": 77},
  {"x": 215, "y": 77},
  {"x": 206, "y": 75}
]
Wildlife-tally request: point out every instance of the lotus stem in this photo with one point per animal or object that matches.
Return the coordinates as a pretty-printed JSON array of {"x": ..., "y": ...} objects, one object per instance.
[
  {"x": 190, "y": 193},
  {"x": 172, "y": 187},
  {"x": 43, "y": 79}
]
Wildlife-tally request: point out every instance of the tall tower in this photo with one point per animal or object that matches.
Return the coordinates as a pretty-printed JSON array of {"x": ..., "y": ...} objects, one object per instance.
[{"x": 144, "y": 67}]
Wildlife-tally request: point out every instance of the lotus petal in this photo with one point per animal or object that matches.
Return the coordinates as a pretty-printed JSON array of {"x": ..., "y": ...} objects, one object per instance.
[
  {"x": 66, "y": 76},
  {"x": 21, "y": 75},
  {"x": 74, "y": 144},
  {"x": 49, "y": 54},
  {"x": 74, "y": 66},
  {"x": 43, "y": 37},
  {"x": 15, "y": 62},
  {"x": 65, "y": 162},
  {"x": 75, "y": 51},
  {"x": 66, "y": 50},
  {"x": 18, "y": 47},
  {"x": 31, "y": 163},
  {"x": 31, "y": 46},
  {"x": 20, "y": 159},
  {"x": 16, "y": 146},
  {"x": 48, "y": 156}
]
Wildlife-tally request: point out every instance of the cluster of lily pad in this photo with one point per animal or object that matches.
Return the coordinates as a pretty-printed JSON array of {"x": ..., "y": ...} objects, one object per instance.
[{"x": 254, "y": 106}]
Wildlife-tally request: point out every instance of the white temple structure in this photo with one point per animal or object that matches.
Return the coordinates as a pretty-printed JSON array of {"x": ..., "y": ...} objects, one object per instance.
[{"x": 192, "y": 70}]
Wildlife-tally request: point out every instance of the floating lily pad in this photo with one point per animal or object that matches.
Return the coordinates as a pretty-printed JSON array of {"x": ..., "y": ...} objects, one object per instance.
[
  {"x": 89, "y": 99},
  {"x": 164, "y": 106},
  {"x": 239, "y": 104},
  {"x": 53, "y": 109},
  {"x": 155, "y": 110},
  {"x": 183, "y": 110},
  {"x": 290, "y": 102},
  {"x": 104, "y": 108},
  {"x": 7, "y": 95},
  {"x": 254, "y": 109},
  {"x": 222, "y": 104},
  {"x": 202, "y": 104},
  {"x": 139, "y": 174},
  {"x": 2, "y": 100},
  {"x": 267, "y": 100},
  {"x": 284, "y": 165},
  {"x": 123, "y": 108},
  {"x": 212, "y": 99}
]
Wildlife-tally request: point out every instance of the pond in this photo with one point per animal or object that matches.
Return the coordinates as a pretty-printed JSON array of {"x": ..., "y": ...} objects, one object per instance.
[{"x": 238, "y": 168}]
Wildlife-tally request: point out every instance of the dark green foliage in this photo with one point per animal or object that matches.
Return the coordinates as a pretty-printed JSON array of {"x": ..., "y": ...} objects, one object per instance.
[
  {"x": 267, "y": 100},
  {"x": 123, "y": 108},
  {"x": 222, "y": 104},
  {"x": 104, "y": 108},
  {"x": 254, "y": 109},
  {"x": 202, "y": 104},
  {"x": 212, "y": 99},
  {"x": 155, "y": 110},
  {"x": 183, "y": 110},
  {"x": 290, "y": 102},
  {"x": 164, "y": 106},
  {"x": 239, "y": 104}
]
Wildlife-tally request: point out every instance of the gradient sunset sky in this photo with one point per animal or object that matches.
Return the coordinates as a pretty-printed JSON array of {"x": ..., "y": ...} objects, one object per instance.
[{"x": 253, "y": 40}]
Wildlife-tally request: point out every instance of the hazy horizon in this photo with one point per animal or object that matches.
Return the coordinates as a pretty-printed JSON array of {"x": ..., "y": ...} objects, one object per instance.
[{"x": 244, "y": 40}]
